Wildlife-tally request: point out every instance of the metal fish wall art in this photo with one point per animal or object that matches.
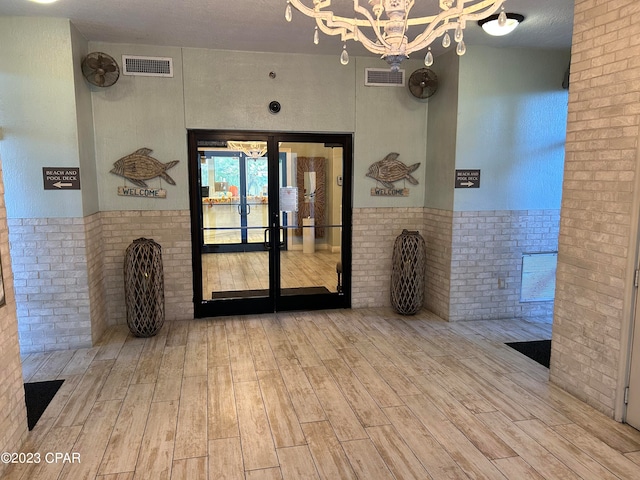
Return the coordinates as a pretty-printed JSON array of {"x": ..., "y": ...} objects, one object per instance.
[
  {"x": 140, "y": 166},
  {"x": 390, "y": 170}
]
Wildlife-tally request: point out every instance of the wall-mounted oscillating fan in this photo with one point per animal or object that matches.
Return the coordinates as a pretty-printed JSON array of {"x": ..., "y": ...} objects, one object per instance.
[
  {"x": 423, "y": 83},
  {"x": 100, "y": 69}
]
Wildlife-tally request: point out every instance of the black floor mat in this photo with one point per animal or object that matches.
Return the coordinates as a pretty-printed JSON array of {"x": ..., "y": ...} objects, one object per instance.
[
  {"x": 265, "y": 293},
  {"x": 538, "y": 350},
  {"x": 37, "y": 396}
]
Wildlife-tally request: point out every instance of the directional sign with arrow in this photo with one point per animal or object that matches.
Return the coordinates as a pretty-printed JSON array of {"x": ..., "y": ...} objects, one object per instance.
[
  {"x": 61, "y": 178},
  {"x": 468, "y": 178}
]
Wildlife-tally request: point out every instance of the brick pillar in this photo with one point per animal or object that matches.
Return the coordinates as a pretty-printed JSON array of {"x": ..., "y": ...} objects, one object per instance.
[
  {"x": 13, "y": 414},
  {"x": 597, "y": 238}
]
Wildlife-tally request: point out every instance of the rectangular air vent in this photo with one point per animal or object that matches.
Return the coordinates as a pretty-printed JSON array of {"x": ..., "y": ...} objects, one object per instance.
[
  {"x": 147, "y": 66},
  {"x": 383, "y": 77}
]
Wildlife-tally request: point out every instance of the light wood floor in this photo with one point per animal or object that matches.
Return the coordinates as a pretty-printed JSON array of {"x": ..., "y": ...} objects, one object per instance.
[
  {"x": 341, "y": 394},
  {"x": 250, "y": 271}
]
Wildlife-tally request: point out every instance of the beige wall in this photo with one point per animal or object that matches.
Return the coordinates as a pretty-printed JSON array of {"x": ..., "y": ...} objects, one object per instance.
[
  {"x": 598, "y": 227},
  {"x": 39, "y": 118}
]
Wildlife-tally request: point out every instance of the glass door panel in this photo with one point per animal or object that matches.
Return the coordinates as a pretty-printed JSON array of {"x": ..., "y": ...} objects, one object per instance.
[
  {"x": 256, "y": 198},
  {"x": 234, "y": 198},
  {"x": 220, "y": 212},
  {"x": 235, "y": 260},
  {"x": 267, "y": 223},
  {"x": 311, "y": 264}
]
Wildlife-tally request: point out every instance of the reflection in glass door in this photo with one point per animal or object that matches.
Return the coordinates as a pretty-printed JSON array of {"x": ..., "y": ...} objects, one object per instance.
[
  {"x": 268, "y": 223},
  {"x": 312, "y": 223},
  {"x": 234, "y": 200}
]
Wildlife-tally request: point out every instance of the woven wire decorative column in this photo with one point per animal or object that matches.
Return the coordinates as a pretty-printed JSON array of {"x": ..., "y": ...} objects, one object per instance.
[
  {"x": 408, "y": 271},
  {"x": 144, "y": 287}
]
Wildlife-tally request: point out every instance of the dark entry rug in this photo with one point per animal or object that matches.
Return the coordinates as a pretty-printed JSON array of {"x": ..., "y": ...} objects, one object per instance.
[
  {"x": 538, "y": 350},
  {"x": 37, "y": 396},
  {"x": 265, "y": 292}
]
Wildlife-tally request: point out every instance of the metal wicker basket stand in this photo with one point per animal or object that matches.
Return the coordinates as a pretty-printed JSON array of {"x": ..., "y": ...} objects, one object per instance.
[
  {"x": 408, "y": 272},
  {"x": 144, "y": 287}
]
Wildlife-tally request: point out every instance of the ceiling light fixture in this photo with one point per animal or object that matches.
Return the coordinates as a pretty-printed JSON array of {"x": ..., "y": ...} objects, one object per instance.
[
  {"x": 252, "y": 150},
  {"x": 502, "y": 24},
  {"x": 388, "y": 37}
]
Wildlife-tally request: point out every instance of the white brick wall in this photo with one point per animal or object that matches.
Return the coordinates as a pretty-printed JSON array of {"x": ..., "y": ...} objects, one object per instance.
[
  {"x": 467, "y": 252},
  {"x": 70, "y": 280},
  {"x": 51, "y": 284},
  {"x": 487, "y": 246},
  {"x": 374, "y": 233},
  {"x": 597, "y": 205},
  {"x": 172, "y": 230},
  {"x": 13, "y": 416},
  {"x": 438, "y": 228},
  {"x": 95, "y": 276},
  {"x": 69, "y": 273}
]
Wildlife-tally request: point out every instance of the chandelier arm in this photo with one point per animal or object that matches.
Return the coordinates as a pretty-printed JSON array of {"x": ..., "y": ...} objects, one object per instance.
[
  {"x": 436, "y": 29},
  {"x": 347, "y": 34},
  {"x": 477, "y": 10},
  {"x": 375, "y": 23},
  {"x": 326, "y": 21},
  {"x": 406, "y": 17},
  {"x": 331, "y": 24},
  {"x": 474, "y": 12}
]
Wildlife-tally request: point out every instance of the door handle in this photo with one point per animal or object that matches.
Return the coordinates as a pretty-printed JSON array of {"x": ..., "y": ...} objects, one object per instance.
[
  {"x": 239, "y": 209},
  {"x": 281, "y": 237},
  {"x": 267, "y": 243},
  {"x": 248, "y": 208}
]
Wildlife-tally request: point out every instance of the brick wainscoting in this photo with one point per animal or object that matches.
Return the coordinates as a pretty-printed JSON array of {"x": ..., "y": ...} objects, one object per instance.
[
  {"x": 487, "y": 246},
  {"x": 438, "y": 225},
  {"x": 70, "y": 280},
  {"x": 374, "y": 233},
  {"x": 467, "y": 252},
  {"x": 170, "y": 229},
  {"x": 95, "y": 276},
  {"x": 51, "y": 283}
]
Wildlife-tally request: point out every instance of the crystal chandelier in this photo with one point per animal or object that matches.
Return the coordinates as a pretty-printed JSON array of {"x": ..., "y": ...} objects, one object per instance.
[
  {"x": 252, "y": 150},
  {"x": 388, "y": 37}
]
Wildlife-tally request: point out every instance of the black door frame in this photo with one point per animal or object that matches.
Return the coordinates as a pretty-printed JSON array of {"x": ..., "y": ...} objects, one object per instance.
[{"x": 275, "y": 301}]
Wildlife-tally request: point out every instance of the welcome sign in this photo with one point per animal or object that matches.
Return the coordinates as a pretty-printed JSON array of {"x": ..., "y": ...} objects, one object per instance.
[{"x": 142, "y": 192}]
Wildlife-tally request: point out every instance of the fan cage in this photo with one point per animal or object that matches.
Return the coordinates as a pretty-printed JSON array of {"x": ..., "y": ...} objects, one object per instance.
[
  {"x": 109, "y": 78},
  {"x": 416, "y": 78}
]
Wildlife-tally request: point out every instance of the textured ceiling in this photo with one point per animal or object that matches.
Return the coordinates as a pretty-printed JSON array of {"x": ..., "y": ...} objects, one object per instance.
[{"x": 259, "y": 25}]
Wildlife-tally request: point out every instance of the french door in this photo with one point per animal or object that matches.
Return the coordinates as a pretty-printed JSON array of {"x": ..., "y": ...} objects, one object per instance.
[{"x": 271, "y": 221}]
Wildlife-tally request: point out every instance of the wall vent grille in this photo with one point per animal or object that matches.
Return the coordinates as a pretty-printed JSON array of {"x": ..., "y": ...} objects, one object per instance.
[
  {"x": 147, "y": 66},
  {"x": 383, "y": 77}
]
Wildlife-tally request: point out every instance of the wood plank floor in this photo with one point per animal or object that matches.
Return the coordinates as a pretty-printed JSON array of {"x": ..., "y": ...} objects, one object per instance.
[
  {"x": 343, "y": 394},
  {"x": 250, "y": 271}
]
